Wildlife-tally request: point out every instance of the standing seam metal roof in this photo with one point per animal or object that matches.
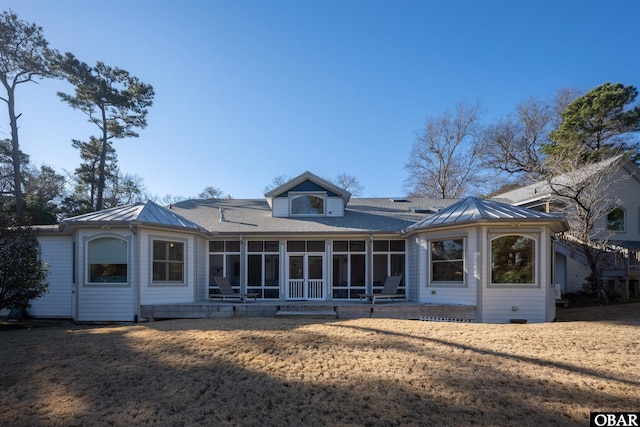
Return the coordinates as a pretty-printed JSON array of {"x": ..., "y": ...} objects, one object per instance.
[
  {"x": 146, "y": 212},
  {"x": 473, "y": 209}
]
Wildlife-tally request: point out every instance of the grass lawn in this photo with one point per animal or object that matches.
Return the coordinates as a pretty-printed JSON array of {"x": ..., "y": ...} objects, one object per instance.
[{"x": 281, "y": 372}]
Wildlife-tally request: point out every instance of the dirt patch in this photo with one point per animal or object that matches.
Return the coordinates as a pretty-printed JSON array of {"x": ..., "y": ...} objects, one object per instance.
[{"x": 364, "y": 372}]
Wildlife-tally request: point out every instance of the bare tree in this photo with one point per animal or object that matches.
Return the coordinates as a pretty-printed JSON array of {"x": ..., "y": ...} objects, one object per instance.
[
  {"x": 586, "y": 195},
  {"x": 514, "y": 144},
  {"x": 211, "y": 192},
  {"x": 277, "y": 181},
  {"x": 349, "y": 183},
  {"x": 445, "y": 157},
  {"x": 170, "y": 199},
  {"x": 562, "y": 99},
  {"x": 123, "y": 189}
]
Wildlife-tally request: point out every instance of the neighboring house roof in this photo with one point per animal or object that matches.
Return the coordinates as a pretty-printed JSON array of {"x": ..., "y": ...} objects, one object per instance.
[
  {"x": 144, "y": 212},
  {"x": 541, "y": 190},
  {"x": 380, "y": 215},
  {"x": 473, "y": 210}
]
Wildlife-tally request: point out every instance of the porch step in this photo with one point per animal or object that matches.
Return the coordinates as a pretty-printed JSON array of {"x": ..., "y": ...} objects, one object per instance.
[{"x": 307, "y": 313}]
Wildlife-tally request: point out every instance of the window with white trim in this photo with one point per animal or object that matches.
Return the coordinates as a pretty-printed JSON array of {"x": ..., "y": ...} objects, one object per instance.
[
  {"x": 447, "y": 261},
  {"x": 168, "y": 261},
  {"x": 615, "y": 220},
  {"x": 307, "y": 204},
  {"x": 513, "y": 260},
  {"x": 107, "y": 259}
]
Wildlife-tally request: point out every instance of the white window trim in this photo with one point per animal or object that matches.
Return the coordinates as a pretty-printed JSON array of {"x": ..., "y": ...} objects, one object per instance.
[
  {"x": 624, "y": 220},
  {"x": 446, "y": 284},
  {"x": 295, "y": 195},
  {"x": 162, "y": 283},
  {"x": 87, "y": 267},
  {"x": 535, "y": 236}
]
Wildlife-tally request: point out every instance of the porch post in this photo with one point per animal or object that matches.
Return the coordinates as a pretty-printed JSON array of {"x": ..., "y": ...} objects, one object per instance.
[{"x": 243, "y": 265}]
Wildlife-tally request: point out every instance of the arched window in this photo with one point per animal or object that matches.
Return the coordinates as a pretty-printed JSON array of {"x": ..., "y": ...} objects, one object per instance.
[
  {"x": 307, "y": 205},
  {"x": 513, "y": 259},
  {"x": 615, "y": 220},
  {"x": 107, "y": 258}
]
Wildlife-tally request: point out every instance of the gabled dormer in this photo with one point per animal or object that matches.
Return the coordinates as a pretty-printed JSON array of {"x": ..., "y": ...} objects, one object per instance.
[{"x": 307, "y": 195}]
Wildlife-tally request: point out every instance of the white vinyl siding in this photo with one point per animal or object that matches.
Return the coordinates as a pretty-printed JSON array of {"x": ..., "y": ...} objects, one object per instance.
[
  {"x": 335, "y": 206},
  {"x": 413, "y": 273},
  {"x": 577, "y": 273},
  {"x": 155, "y": 293},
  {"x": 56, "y": 252},
  {"x": 97, "y": 304},
  {"x": 105, "y": 302},
  {"x": 448, "y": 294},
  {"x": 280, "y": 207},
  {"x": 200, "y": 257},
  {"x": 623, "y": 193},
  {"x": 501, "y": 303}
]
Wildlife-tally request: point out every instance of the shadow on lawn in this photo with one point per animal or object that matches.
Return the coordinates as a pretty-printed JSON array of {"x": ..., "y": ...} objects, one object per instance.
[
  {"x": 622, "y": 314},
  {"x": 113, "y": 377},
  {"x": 236, "y": 324},
  {"x": 532, "y": 360}
]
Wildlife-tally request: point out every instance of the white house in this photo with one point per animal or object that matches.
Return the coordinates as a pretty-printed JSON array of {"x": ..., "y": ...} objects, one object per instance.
[
  {"x": 308, "y": 240},
  {"x": 615, "y": 183}
]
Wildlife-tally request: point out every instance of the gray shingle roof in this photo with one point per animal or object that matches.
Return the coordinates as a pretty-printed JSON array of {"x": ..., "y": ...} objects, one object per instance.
[
  {"x": 541, "y": 190},
  {"x": 473, "y": 209},
  {"x": 365, "y": 215},
  {"x": 362, "y": 215}
]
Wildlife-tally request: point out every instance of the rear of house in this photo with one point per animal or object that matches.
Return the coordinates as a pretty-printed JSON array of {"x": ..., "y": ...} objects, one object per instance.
[{"x": 306, "y": 241}]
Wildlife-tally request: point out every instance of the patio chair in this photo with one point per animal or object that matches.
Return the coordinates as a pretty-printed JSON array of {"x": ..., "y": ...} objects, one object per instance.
[
  {"x": 388, "y": 290},
  {"x": 226, "y": 291}
]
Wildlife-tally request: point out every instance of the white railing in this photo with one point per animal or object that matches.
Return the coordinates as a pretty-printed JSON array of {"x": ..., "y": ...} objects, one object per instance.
[
  {"x": 314, "y": 288},
  {"x": 612, "y": 257},
  {"x": 296, "y": 289}
]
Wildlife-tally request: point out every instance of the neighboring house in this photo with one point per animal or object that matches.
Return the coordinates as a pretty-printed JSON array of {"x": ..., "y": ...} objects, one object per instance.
[
  {"x": 308, "y": 240},
  {"x": 617, "y": 228}
]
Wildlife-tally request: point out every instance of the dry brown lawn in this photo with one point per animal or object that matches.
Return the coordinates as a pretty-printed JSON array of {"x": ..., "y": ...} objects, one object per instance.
[{"x": 293, "y": 372}]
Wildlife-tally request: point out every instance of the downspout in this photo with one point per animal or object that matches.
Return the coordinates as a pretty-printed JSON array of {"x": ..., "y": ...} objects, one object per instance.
[
  {"x": 136, "y": 279},
  {"x": 195, "y": 267},
  {"x": 417, "y": 248},
  {"x": 369, "y": 262},
  {"x": 481, "y": 256}
]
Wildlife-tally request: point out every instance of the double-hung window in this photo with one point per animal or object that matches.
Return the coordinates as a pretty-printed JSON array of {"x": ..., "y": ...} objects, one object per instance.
[
  {"x": 447, "y": 261},
  {"x": 168, "y": 261}
]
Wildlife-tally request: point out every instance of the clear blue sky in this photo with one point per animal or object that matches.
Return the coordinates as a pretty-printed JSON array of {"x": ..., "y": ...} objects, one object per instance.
[{"x": 250, "y": 89}]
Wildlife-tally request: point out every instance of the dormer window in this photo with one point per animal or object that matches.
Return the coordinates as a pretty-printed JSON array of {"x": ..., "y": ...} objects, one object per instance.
[
  {"x": 307, "y": 195},
  {"x": 307, "y": 204}
]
